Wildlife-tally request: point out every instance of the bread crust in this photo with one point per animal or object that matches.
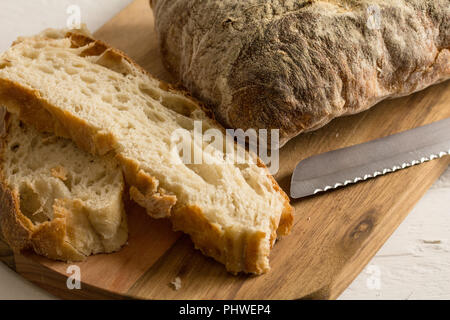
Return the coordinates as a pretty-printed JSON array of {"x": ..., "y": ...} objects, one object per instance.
[
  {"x": 249, "y": 255},
  {"x": 296, "y": 65},
  {"x": 15, "y": 227}
]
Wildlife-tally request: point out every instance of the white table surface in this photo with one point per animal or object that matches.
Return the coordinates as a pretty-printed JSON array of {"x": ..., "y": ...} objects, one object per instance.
[{"x": 413, "y": 264}]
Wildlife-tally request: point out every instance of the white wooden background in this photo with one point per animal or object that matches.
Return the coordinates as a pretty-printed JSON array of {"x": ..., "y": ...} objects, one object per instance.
[{"x": 413, "y": 264}]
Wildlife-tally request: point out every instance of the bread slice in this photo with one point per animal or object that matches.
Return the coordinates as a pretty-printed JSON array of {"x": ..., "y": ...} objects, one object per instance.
[
  {"x": 70, "y": 84},
  {"x": 56, "y": 199}
]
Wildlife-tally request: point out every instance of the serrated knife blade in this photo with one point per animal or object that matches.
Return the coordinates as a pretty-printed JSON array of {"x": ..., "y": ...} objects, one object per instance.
[{"x": 357, "y": 163}]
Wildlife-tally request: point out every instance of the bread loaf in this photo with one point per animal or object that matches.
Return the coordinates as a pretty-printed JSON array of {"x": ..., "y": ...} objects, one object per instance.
[
  {"x": 294, "y": 65},
  {"x": 84, "y": 90},
  {"x": 55, "y": 199}
]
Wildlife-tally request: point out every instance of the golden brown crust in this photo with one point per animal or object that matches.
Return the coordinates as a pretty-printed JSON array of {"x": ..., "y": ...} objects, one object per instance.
[
  {"x": 27, "y": 105},
  {"x": 286, "y": 220},
  {"x": 98, "y": 47},
  {"x": 287, "y": 215},
  {"x": 257, "y": 253},
  {"x": 50, "y": 239},
  {"x": 144, "y": 190},
  {"x": 158, "y": 205},
  {"x": 247, "y": 254},
  {"x": 16, "y": 228}
]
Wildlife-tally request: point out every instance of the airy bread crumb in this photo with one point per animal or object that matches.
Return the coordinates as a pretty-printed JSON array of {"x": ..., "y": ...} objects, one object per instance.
[
  {"x": 59, "y": 172},
  {"x": 176, "y": 283},
  {"x": 82, "y": 89},
  {"x": 58, "y": 200}
]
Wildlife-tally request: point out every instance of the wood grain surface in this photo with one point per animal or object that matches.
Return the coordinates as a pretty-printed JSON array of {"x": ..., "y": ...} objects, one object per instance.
[
  {"x": 6, "y": 254},
  {"x": 334, "y": 236}
]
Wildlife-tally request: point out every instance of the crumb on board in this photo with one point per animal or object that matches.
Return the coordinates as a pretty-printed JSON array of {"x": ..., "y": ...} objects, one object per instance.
[
  {"x": 432, "y": 241},
  {"x": 176, "y": 283},
  {"x": 59, "y": 172}
]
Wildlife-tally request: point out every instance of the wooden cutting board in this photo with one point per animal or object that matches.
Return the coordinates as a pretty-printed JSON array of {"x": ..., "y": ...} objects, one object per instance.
[{"x": 334, "y": 236}]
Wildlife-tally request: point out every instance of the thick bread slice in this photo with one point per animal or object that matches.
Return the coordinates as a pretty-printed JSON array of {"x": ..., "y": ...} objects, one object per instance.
[
  {"x": 56, "y": 199},
  {"x": 80, "y": 88}
]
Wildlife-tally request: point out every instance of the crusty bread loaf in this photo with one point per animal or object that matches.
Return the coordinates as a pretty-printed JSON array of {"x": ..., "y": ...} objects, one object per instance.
[
  {"x": 74, "y": 86},
  {"x": 296, "y": 65},
  {"x": 56, "y": 199}
]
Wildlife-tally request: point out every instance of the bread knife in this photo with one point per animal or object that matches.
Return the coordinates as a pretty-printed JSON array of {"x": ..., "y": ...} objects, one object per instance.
[{"x": 357, "y": 163}]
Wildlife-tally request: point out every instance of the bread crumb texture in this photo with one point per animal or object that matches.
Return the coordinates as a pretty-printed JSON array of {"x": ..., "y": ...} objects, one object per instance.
[
  {"x": 82, "y": 89},
  {"x": 57, "y": 199},
  {"x": 176, "y": 283}
]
